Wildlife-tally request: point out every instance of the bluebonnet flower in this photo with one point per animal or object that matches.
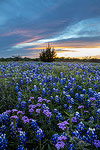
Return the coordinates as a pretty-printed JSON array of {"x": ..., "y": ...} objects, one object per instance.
[
  {"x": 81, "y": 97},
  {"x": 3, "y": 142},
  {"x": 91, "y": 118},
  {"x": 88, "y": 103},
  {"x": 59, "y": 117},
  {"x": 16, "y": 89},
  {"x": 67, "y": 98},
  {"x": 70, "y": 108},
  {"x": 35, "y": 88},
  {"x": 71, "y": 91},
  {"x": 55, "y": 79},
  {"x": 61, "y": 74},
  {"x": 77, "y": 96},
  {"x": 71, "y": 147},
  {"x": 2, "y": 128},
  {"x": 19, "y": 94},
  {"x": 83, "y": 91},
  {"x": 65, "y": 106},
  {"x": 12, "y": 130},
  {"x": 43, "y": 106},
  {"x": 77, "y": 115},
  {"x": 23, "y": 104},
  {"x": 21, "y": 82},
  {"x": 55, "y": 111},
  {"x": 90, "y": 92},
  {"x": 81, "y": 127},
  {"x": 44, "y": 93},
  {"x": 98, "y": 111},
  {"x": 51, "y": 98},
  {"x": 69, "y": 85},
  {"x": 54, "y": 84},
  {"x": 90, "y": 135},
  {"x": 72, "y": 101},
  {"x": 4, "y": 117},
  {"x": 22, "y": 137},
  {"x": 76, "y": 133},
  {"x": 34, "y": 125},
  {"x": 39, "y": 134},
  {"x": 20, "y": 147},
  {"x": 57, "y": 100},
  {"x": 79, "y": 88},
  {"x": 54, "y": 139}
]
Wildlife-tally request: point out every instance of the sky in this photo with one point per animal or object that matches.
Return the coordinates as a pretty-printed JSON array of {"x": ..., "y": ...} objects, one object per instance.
[{"x": 72, "y": 27}]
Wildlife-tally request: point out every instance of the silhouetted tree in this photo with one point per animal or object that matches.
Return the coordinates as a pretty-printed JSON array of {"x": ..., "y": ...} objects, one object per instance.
[{"x": 48, "y": 55}]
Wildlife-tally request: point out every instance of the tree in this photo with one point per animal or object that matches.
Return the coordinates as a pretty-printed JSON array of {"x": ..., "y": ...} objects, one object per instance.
[{"x": 48, "y": 55}]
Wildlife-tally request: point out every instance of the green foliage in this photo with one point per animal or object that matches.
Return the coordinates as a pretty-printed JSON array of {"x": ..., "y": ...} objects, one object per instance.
[{"x": 48, "y": 55}]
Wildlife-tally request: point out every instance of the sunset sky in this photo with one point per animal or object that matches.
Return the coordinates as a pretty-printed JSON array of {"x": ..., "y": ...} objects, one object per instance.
[{"x": 72, "y": 27}]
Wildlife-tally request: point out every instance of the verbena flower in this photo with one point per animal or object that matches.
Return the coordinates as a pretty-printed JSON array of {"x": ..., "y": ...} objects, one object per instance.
[
  {"x": 74, "y": 119},
  {"x": 62, "y": 125},
  {"x": 60, "y": 145},
  {"x": 96, "y": 143},
  {"x": 47, "y": 113},
  {"x": 38, "y": 111},
  {"x": 25, "y": 119}
]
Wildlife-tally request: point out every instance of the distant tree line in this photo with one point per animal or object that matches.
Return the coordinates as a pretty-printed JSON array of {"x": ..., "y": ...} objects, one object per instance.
[{"x": 62, "y": 59}]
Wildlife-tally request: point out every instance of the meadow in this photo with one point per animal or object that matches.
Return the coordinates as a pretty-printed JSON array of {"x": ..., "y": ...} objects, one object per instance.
[{"x": 49, "y": 106}]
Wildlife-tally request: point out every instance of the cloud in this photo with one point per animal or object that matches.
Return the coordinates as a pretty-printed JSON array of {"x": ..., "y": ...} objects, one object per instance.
[{"x": 33, "y": 23}]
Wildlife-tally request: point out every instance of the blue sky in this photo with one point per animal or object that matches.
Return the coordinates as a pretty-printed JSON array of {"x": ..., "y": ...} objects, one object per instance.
[{"x": 26, "y": 26}]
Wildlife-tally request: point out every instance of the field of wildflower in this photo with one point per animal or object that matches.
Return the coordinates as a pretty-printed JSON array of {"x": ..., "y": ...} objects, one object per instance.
[{"x": 49, "y": 106}]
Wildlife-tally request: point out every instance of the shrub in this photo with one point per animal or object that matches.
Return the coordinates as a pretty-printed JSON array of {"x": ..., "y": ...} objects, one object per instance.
[{"x": 48, "y": 55}]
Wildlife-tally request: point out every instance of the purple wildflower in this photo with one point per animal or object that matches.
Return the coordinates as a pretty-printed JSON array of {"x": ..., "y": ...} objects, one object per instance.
[
  {"x": 92, "y": 98},
  {"x": 47, "y": 101},
  {"x": 14, "y": 110},
  {"x": 38, "y": 111},
  {"x": 62, "y": 137},
  {"x": 14, "y": 117},
  {"x": 31, "y": 110},
  {"x": 74, "y": 119},
  {"x": 25, "y": 119},
  {"x": 20, "y": 112},
  {"x": 62, "y": 125},
  {"x": 59, "y": 145},
  {"x": 31, "y": 98},
  {"x": 96, "y": 143},
  {"x": 7, "y": 111},
  {"x": 19, "y": 129},
  {"x": 86, "y": 111},
  {"x": 32, "y": 106},
  {"x": 47, "y": 113},
  {"x": 81, "y": 106},
  {"x": 38, "y": 105}
]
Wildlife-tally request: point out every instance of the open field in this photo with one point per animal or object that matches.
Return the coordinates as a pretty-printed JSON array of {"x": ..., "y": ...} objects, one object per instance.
[{"x": 49, "y": 106}]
